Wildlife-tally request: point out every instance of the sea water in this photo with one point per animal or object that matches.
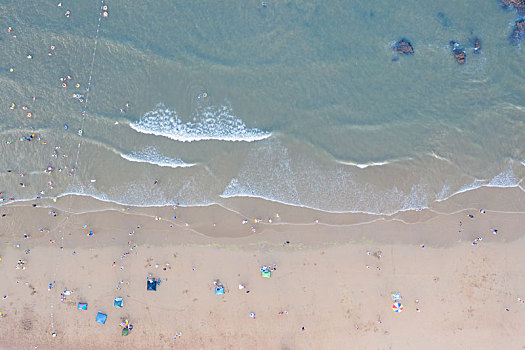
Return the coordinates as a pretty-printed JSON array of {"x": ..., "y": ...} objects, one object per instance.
[{"x": 300, "y": 102}]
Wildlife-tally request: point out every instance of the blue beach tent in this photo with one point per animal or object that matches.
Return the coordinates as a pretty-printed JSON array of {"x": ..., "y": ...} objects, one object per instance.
[
  {"x": 101, "y": 318},
  {"x": 219, "y": 290},
  {"x": 82, "y": 306},
  {"x": 118, "y": 302},
  {"x": 152, "y": 284}
]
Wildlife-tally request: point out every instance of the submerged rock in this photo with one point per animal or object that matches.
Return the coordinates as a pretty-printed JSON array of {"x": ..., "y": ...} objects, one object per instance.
[
  {"x": 519, "y": 30},
  {"x": 519, "y": 5},
  {"x": 403, "y": 46},
  {"x": 459, "y": 53}
]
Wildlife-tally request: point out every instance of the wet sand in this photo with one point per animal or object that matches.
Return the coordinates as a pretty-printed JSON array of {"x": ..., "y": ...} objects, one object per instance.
[{"x": 335, "y": 277}]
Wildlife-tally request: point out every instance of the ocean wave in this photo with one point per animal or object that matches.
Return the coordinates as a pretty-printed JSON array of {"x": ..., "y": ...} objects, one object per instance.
[
  {"x": 210, "y": 123},
  {"x": 372, "y": 164},
  {"x": 363, "y": 166},
  {"x": 151, "y": 156},
  {"x": 504, "y": 179}
]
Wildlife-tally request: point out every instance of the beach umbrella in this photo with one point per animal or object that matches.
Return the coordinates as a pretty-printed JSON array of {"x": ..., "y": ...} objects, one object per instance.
[
  {"x": 82, "y": 306},
  {"x": 101, "y": 318},
  {"x": 397, "y": 307}
]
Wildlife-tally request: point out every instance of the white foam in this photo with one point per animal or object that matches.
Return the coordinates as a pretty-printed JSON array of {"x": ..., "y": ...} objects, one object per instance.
[
  {"x": 151, "y": 156},
  {"x": 211, "y": 123},
  {"x": 504, "y": 179},
  {"x": 363, "y": 166}
]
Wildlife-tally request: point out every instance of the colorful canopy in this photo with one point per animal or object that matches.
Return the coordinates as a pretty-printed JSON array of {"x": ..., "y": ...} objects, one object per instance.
[
  {"x": 101, "y": 318},
  {"x": 397, "y": 307},
  {"x": 82, "y": 306},
  {"x": 266, "y": 273}
]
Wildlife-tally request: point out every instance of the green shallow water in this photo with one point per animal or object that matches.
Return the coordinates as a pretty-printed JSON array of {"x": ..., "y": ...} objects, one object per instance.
[{"x": 322, "y": 79}]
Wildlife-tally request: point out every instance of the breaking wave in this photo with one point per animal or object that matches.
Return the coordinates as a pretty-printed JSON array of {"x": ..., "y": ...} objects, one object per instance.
[
  {"x": 151, "y": 156},
  {"x": 210, "y": 123}
]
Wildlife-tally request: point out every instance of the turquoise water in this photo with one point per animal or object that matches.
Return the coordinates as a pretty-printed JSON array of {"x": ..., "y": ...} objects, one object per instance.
[{"x": 299, "y": 102}]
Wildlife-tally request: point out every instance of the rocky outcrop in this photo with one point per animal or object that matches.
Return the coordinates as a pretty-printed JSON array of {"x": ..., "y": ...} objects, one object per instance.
[
  {"x": 403, "y": 46},
  {"x": 459, "y": 53},
  {"x": 519, "y": 30},
  {"x": 519, "y": 5}
]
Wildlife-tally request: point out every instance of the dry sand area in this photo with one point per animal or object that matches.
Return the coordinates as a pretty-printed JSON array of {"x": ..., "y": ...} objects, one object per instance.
[{"x": 331, "y": 288}]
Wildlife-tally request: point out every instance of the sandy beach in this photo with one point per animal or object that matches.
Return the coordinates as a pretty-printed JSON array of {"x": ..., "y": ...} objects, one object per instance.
[{"x": 331, "y": 282}]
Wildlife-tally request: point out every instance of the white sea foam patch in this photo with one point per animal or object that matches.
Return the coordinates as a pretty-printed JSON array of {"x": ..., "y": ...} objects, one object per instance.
[
  {"x": 151, "y": 156},
  {"x": 504, "y": 179},
  {"x": 277, "y": 173},
  {"x": 210, "y": 123}
]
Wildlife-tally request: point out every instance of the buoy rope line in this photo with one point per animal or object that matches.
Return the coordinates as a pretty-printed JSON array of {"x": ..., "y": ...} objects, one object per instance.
[{"x": 84, "y": 113}]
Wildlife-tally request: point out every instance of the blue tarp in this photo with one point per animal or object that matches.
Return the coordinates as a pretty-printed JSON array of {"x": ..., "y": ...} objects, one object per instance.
[{"x": 101, "y": 318}]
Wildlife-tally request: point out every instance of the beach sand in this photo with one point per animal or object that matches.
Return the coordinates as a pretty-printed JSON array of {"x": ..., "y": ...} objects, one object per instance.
[{"x": 333, "y": 280}]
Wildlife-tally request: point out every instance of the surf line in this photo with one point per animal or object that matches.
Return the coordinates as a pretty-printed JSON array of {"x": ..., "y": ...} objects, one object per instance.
[{"x": 84, "y": 114}]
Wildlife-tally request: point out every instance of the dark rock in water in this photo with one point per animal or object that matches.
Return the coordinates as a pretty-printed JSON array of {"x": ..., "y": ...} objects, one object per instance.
[
  {"x": 519, "y": 5},
  {"x": 519, "y": 30},
  {"x": 459, "y": 54},
  {"x": 403, "y": 46},
  {"x": 477, "y": 46}
]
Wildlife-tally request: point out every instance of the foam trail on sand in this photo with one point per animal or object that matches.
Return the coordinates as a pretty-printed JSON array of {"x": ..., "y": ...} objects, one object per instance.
[
  {"x": 209, "y": 123},
  {"x": 151, "y": 156}
]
